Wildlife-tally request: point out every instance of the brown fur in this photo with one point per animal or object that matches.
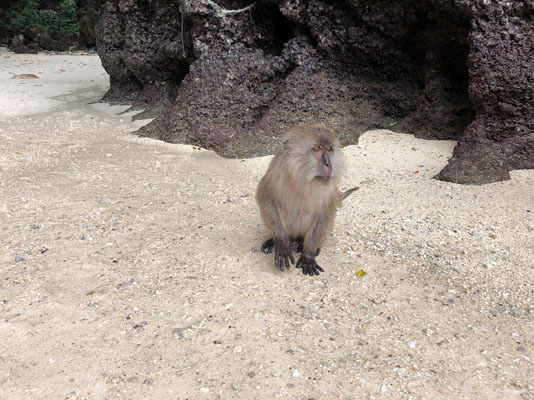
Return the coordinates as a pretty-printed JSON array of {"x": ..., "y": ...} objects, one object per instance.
[{"x": 298, "y": 196}]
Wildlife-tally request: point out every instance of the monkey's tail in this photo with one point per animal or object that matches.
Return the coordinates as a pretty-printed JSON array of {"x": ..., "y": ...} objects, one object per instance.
[{"x": 346, "y": 193}]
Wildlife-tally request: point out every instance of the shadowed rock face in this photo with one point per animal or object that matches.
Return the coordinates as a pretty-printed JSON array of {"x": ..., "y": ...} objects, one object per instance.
[
  {"x": 501, "y": 75},
  {"x": 87, "y": 19},
  {"x": 234, "y": 82},
  {"x": 140, "y": 45}
]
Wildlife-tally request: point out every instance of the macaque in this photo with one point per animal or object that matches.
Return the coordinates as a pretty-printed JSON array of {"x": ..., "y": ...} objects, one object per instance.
[{"x": 298, "y": 196}]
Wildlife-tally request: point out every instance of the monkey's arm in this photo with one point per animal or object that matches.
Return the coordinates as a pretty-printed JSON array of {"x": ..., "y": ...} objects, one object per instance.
[{"x": 283, "y": 247}]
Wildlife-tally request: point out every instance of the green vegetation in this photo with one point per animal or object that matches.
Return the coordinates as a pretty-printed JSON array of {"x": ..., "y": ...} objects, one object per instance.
[{"x": 20, "y": 16}]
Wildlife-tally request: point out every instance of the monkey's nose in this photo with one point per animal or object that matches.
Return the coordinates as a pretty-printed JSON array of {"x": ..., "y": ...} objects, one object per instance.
[{"x": 326, "y": 160}]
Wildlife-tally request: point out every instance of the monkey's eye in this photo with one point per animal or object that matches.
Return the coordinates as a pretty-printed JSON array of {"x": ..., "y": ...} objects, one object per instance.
[
  {"x": 329, "y": 148},
  {"x": 316, "y": 148}
]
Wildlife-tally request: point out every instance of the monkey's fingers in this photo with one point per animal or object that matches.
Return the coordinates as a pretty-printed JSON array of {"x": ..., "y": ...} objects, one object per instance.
[
  {"x": 283, "y": 256},
  {"x": 291, "y": 258},
  {"x": 315, "y": 269},
  {"x": 309, "y": 266},
  {"x": 287, "y": 258},
  {"x": 286, "y": 262},
  {"x": 278, "y": 259},
  {"x": 282, "y": 260}
]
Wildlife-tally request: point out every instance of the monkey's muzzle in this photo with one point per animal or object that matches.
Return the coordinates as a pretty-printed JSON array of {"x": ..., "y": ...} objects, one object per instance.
[{"x": 326, "y": 167}]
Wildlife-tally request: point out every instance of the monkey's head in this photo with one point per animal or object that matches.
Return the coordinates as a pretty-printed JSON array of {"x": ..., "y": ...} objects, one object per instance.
[{"x": 314, "y": 153}]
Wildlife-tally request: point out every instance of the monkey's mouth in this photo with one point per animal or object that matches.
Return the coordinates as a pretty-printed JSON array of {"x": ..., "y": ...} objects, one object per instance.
[{"x": 323, "y": 178}]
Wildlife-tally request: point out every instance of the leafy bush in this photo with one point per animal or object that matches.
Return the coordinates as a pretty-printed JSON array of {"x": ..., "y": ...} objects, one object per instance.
[
  {"x": 68, "y": 19},
  {"x": 26, "y": 14}
]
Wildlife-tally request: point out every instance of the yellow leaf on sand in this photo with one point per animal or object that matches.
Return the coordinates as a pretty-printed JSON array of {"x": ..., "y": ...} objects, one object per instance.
[{"x": 361, "y": 273}]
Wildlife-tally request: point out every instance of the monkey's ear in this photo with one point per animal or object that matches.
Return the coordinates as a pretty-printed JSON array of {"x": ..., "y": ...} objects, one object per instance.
[{"x": 286, "y": 144}]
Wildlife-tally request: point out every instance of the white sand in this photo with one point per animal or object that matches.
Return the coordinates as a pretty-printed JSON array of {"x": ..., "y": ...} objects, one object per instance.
[
  {"x": 130, "y": 267},
  {"x": 57, "y": 75}
]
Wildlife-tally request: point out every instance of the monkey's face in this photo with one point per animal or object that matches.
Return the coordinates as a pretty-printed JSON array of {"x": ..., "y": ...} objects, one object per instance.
[
  {"x": 322, "y": 154},
  {"x": 312, "y": 154}
]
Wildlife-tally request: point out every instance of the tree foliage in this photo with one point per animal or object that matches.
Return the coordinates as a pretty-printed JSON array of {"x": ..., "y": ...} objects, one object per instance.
[{"x": 26, "y": 14}]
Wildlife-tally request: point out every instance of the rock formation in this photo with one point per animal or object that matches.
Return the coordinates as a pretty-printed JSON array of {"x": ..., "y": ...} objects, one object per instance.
[
  {"x": 87, "y": 19},
  {"x": 233, "y": 75}
]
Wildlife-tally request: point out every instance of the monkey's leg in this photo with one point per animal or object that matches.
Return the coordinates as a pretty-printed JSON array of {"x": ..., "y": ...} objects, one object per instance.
[
  {"x": 268, "y": 246},
  {"x": 300, "y": 246}
]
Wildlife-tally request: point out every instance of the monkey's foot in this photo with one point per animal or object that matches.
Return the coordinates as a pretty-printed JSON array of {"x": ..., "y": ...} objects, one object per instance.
[
  {"x": 283, "y": 254},
  {"x": 309, "y": 266},
  {"x": 268, "y": 246}
]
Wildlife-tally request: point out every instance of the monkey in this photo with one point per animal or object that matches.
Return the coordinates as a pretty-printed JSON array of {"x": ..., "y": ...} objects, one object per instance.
[{"x": 298, "y": 196}]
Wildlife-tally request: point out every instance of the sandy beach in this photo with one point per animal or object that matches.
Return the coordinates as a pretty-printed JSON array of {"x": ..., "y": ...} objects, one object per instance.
[{"x": 130, "y": 268}]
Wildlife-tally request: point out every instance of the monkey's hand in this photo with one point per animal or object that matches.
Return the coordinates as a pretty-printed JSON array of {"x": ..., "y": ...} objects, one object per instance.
[
  {"x": 308, "y": 265},
  {"x": 283, "y": 253}
]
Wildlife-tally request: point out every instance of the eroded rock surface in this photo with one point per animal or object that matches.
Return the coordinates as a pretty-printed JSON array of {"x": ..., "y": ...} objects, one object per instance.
[
  {"x": 234, "y": 78},
  {"x": 501, "y": 74}
]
